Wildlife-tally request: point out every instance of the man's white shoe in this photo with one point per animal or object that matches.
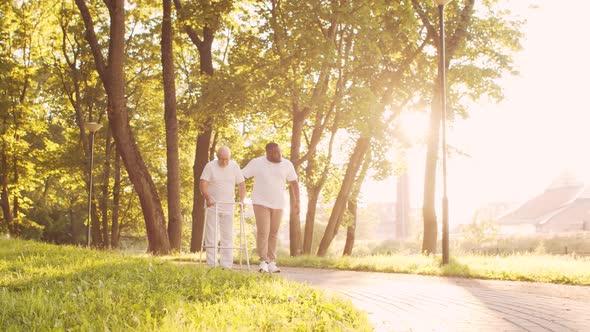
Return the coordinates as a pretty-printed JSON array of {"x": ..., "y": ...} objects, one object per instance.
[
  {"x": 273, "y": 268},
  {"x": 263, "y": 267}
]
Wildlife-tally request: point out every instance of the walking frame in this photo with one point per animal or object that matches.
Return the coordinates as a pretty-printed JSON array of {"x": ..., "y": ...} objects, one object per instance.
[{"x": 243, "y": 241}]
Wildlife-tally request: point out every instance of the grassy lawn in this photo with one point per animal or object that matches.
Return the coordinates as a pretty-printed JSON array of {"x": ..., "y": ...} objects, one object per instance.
[
  {"x": 524, "y": 267},
  {"x": 46, "y": 287},
  {"x": 564, "y": 269}
]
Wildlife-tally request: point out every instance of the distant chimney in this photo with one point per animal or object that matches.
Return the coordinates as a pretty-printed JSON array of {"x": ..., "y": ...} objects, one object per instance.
[
  {"x": 564, "y": 180},
  {"x": 402, "y": 207}
]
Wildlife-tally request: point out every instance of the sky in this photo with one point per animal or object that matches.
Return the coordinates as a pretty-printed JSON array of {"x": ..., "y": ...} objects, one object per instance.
[{"x": 540, "y": 130}]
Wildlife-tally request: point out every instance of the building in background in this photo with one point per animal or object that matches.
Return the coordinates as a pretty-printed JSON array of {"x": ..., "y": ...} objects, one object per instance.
[{"x": 563, "y": 207}]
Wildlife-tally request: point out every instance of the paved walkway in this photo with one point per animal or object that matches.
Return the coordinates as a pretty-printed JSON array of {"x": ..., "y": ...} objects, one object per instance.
[{"x": 399, "y": 302}]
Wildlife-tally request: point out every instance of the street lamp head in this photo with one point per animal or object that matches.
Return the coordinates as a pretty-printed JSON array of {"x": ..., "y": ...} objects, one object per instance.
[
  {"x": 92, "y": 126},
  {"x": 442, "y": 2}
]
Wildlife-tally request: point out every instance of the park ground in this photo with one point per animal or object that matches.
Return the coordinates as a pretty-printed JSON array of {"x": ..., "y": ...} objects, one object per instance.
[{"x": 48, "y": 287}]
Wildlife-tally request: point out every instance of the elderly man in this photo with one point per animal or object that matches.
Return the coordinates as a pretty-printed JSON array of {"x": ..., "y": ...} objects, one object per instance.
[
  {"x": 270, "y": 173},
  {"x": 217, "y": 185}
]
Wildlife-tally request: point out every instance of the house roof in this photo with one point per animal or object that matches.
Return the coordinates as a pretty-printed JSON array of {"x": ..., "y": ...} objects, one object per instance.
[
  {"x": 562, "y": 191},
  {"x": 569, "y": 217}
]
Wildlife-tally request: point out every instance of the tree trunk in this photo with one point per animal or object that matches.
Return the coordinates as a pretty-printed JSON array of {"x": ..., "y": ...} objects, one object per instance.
[
  {"x": 456, "y": 39},
  {"x": 213, "y": 146},
  {"x": 294, "y": 228},
  {"x": 112, "y": 76},
  {"x": 116, "y": 202},
  {"x": 144, "y": 186},
  {"x": 76, "y": 224},
  {"x": 14, "y": 231},
  {"x": 203, "y": 140},
  {"x": 294, "y": 219},
  {"x": 172, "y": 159},
  {"x": 314, "y": 189},
  {"x": 74, "y": 239},
  {"x": 5, "y": 194},
  {"x": 104, "y": 204},
  {"x": 15, "y": 197},
  {"x": 351, "y": 229},
  {"x": 312, "y": 203},
  {"x": 428, "y": 207},
  {"x": 201, "y": 159},
  {"x": 356, "y": 159},
  {"x": 95, "y": 226},
  {"x": 353, "y": 204}
]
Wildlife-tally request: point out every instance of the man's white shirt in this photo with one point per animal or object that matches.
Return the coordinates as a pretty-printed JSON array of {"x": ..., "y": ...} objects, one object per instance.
[
  {"x": 222, "y": 182},
  {"x": 269, "y": 181}
]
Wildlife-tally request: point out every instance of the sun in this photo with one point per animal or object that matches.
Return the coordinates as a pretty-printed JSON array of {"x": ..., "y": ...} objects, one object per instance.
[{"x": 414, "y": 126}]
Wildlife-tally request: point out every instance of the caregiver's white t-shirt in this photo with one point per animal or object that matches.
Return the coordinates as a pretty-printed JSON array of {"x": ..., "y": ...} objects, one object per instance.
[{"x": 269, "y": 181}]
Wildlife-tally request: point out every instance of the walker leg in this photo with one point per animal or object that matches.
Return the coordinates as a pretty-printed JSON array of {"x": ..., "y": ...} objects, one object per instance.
[
  {"x": 216, "y": 243},
  {"x": 241, "y": 230},
  {"x": 203, "y": 238},
  {"x": 241, "y": 233},
  {"x": 245, "y": 248}
]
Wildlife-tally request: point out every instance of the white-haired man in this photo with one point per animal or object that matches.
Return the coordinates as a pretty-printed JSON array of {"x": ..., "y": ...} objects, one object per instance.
[{"x": 217, "y": 184}]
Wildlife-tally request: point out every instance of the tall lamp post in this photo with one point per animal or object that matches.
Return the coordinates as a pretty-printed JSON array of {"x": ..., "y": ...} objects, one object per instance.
[
  {"x": 92, "y": 128},
  {"x": 443, "y": 100}
]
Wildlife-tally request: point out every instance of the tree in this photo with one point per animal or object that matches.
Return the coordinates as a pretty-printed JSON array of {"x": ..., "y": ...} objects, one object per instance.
[
  {"x": 309, "y": 75},
  {"x": 354, "y": 164},
  {"x": 314, "y": 182},
  {"x": 77, "y": 83},
  {"x": 210, "y": 20},
  {"x": 21, "y": 137},
  {"x": 172, "y": 159},
  {"x": 483, "y": 228},
  {"x": 353, "y": 204},
  {"x": 482, "y": 45},
  {"x": 314, "y": 41},
  {"x": 377, "y": 89},
  {"x": 115, "y": 227},
  {"x": 112, "y": 77}
]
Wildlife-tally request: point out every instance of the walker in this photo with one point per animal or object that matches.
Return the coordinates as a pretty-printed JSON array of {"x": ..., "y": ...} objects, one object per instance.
[{"x": 243, "y": 241}]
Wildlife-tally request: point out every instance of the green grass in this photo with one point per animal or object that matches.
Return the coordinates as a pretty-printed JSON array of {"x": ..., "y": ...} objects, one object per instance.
[
  {"x": 46, "y": 287},
  {"x": 525, "y": 267}
]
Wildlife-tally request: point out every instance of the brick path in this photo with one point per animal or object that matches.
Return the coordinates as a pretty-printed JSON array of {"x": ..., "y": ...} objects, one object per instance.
[{"x": 398, "y": 302}]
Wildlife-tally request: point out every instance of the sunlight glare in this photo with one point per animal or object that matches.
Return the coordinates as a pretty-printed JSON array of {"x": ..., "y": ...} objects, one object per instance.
[{"x": 414, "y": 126}]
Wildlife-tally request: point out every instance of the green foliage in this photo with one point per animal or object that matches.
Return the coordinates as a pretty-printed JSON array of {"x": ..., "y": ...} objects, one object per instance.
[
  {"x": 485, "y": 55},
  {"x": 45, "y": 287},
  {"x": 200, "y": 14},
  {"x": 24, "y": 136},
  {"x": 481, "y": 230},
  {"x": 376, "y": 59}
]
